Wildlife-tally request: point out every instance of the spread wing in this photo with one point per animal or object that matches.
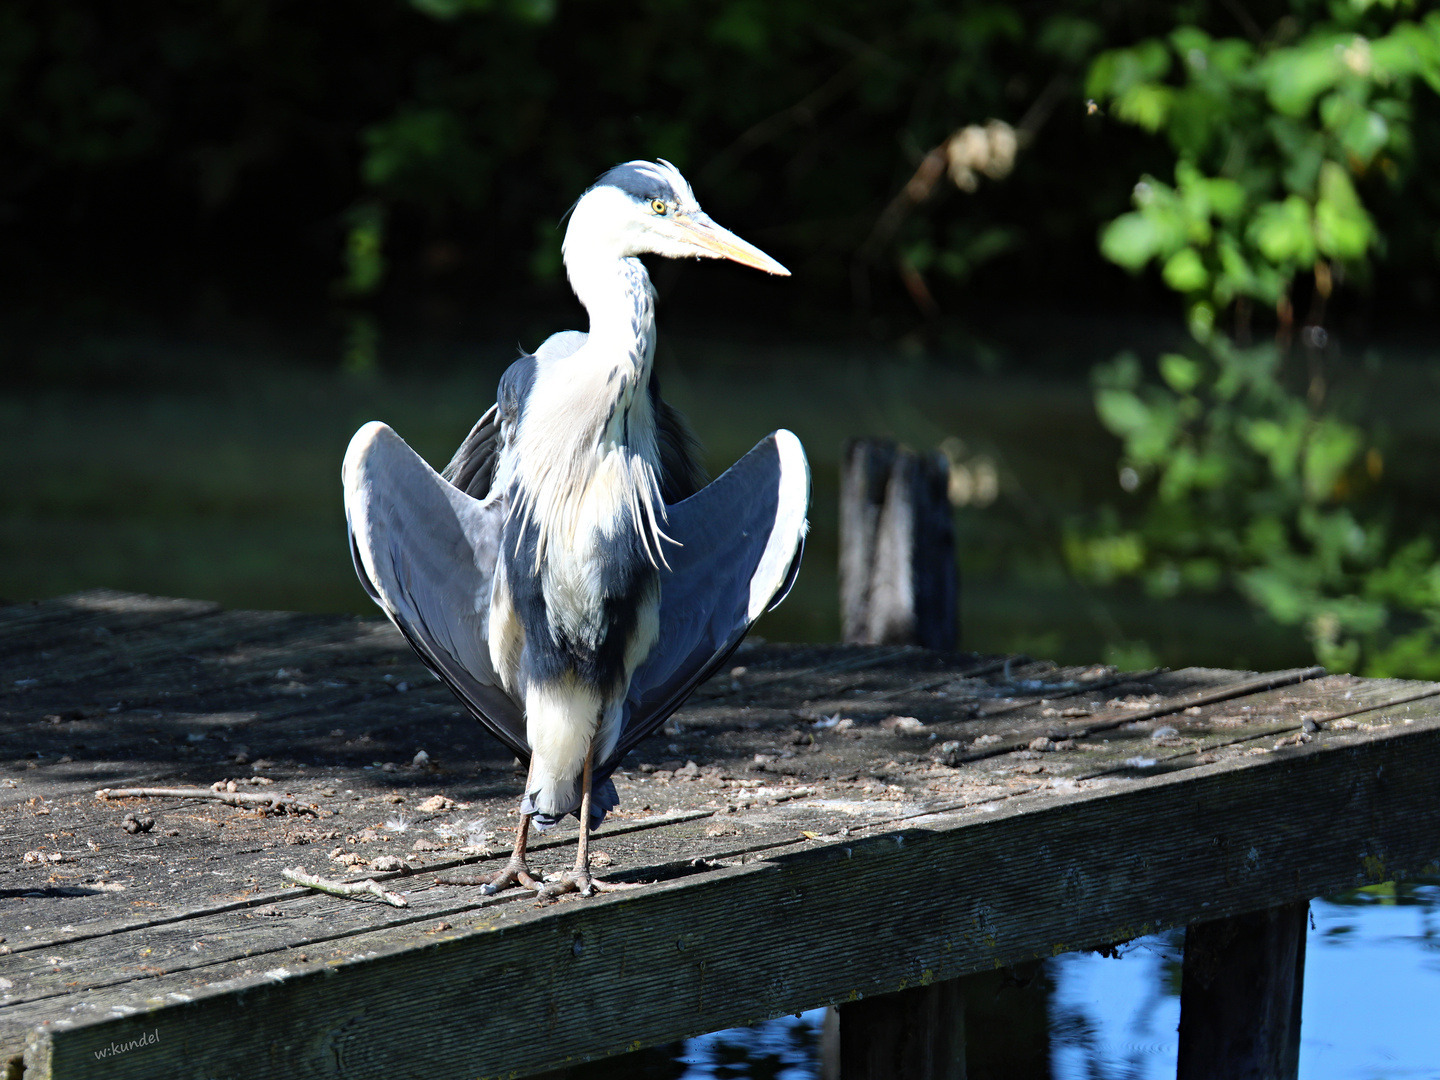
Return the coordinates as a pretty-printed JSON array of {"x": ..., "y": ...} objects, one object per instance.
[
  {"x": 741, "y": 539},
  {"x": 681, "y": 474},
  {"x": 425, "y": 552},
  {"x": 472, "y": 469}
]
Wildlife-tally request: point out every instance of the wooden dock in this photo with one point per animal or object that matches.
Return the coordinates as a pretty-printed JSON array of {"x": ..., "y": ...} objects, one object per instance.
[{"x": 821, "y": 825}]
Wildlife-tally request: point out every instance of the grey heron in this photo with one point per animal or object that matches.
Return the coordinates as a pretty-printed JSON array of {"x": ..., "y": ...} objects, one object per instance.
[{"x": 570, "y": 575}]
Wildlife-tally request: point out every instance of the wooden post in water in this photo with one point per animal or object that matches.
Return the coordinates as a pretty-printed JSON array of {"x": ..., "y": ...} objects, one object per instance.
[
  {"x": 1240, "y": 993},
  {"x": 992, "y": 1025},
  {"x": 916, "y": 1034},
  {"x": 898, "y": 582}
]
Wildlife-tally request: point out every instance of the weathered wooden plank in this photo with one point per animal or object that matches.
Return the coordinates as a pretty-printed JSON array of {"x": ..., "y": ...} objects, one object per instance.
[
  {"x": 289, "y": 919},
  {"x": 1212, "y": 732},
  {"x": 919, "y": 778},
  {"x": 230, "y": 649},
  {"x": 982, "y": 781},
  {"x": 774, "y": 786},
  {"x": 952, "y": 894},
  {"x": 898, "y": 577},
  {"x": 915, "y": 1034},
  {"x": 49, "y": 623},
  {"x": 1240, "y": 992}
]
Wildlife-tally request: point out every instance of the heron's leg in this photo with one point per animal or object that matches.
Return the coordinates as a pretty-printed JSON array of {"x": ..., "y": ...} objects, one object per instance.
[
  {"x": 517, "y": 871},
  {"x": 582, "y": 849},
  {"x": 579, "y": 879}
]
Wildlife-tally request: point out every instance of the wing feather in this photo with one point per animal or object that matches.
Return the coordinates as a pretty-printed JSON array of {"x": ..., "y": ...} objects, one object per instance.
[
  {"x": 472, "y": 469},
  {"x": 425, "y": 551},
  {"x": 681, "y": 474},
  {"x": 740, "y": 541}
]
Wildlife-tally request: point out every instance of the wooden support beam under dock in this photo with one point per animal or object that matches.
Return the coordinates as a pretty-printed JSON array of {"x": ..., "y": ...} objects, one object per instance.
[{"x": 821, "y": 825}]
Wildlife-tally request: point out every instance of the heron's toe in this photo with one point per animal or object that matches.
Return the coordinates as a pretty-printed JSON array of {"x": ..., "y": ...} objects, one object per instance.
[
  {"x": 580, "y": 881},
  {"x": 516, "y": 872}
]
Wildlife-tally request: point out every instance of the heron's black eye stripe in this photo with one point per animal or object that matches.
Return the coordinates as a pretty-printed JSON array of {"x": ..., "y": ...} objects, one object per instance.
[{"x": 659, "y": 206}]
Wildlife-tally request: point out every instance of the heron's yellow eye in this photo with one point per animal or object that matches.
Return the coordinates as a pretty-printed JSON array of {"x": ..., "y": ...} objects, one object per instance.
[{"x": 658, "y": 205}]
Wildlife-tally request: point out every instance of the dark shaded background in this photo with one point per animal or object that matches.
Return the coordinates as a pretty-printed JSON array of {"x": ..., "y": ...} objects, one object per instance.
[
  {"x": 188, "y": 335},
  {"x": 202, "y": 163}
]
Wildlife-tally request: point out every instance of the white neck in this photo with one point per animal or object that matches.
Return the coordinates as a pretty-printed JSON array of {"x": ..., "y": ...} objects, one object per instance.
[
  {"x": 586, "y": 447},
  {"x": 620, "y": 300}
]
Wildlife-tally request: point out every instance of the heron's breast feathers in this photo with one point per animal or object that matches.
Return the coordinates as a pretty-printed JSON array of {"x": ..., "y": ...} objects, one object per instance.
[{"x": 583, "y": 458}]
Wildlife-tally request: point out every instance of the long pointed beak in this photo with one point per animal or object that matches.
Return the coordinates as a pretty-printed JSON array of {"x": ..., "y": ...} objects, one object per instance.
[{"x": 719, "y": 243}]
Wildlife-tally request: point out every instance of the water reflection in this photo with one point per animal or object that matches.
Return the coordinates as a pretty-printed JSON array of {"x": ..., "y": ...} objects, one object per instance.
[
  {"x": 1372, "y": 991},
  {"x": 1117, "y": 1017},
  {"x": 1372, "y": 985},
  {"x": 783, "y": 1049}
]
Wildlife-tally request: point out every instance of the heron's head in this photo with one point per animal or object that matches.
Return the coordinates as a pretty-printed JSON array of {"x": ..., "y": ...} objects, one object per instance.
[{"x": 647, "y": 207}]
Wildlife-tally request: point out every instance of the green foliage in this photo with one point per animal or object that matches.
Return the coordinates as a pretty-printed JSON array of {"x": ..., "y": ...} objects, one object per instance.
[
  {"x": 538, "y": 11},
  {"x": 1266, "y": 140},
  {"x": 1244, "y": 483},
  {"x": 1251, "y": 489},
  {"x": 364, "y": 250},
  {"x": 472, "y": 124}
]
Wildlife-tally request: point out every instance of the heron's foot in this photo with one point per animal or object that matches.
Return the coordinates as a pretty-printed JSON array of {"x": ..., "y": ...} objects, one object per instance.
[
  {"x": 581, "y": 881},
  {"x": 516, "y": 873}
]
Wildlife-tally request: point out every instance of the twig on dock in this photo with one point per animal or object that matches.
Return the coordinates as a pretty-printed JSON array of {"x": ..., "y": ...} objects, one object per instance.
[
  {"x": 353, "y": 890},
  {"x": 276, "y": 803}
]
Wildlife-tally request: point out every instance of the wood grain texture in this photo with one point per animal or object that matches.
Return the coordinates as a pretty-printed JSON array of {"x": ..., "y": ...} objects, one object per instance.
[
  {"x": 743, "y": 943},
  {"x": 898, "y": 578},
  {"x": 915, "y": 1034},
  {"x": 1240, "y": 993}
]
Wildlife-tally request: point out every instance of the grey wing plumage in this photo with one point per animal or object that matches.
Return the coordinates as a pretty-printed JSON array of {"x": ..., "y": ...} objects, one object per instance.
[
  {"x": 477, "y": 461},
  {"x": 740, "y": 542},
  {"x": 472, "y": 469},
  {"x": 425, "y": 551},
  {"x": 681, "y": 474}
]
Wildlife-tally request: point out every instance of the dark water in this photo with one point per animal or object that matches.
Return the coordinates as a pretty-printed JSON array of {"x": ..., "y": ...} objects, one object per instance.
[
  {"x": 213, "y": 471},
  {"x": 1371, "y": 1010}
]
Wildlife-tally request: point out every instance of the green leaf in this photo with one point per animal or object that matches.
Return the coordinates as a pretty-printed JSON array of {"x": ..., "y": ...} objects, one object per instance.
[
  {"x": 1201, "y": 320},
  {"x": 1145, "y": 105},
  {"x": 1102, "y": 559},
  {"x": 1226, "y": 197},
  {"x": 1282, "y": 232},
  {"x": 1203, "y": 575},
  {"x": 1182, "y": 373},
  {"x": 1121, "y": 373},
  {"x": 1331, "y": 448},
  {"x": 1187, "y": 40},
  {"x": 1281, "y": 443},
  {"x": 1131, "y": 240},
  {"x": 1185, "y": 272},
  {"x": 1343, "y": 229},
  {"x": 450, "y": 9},
  {"x": 422, "y": 150},
  {"x": 1412, "y": 656},
  {"x": 1118, "y": 70},
  {"x": 1233, "y": 58},
  {"x": 1295, "y": 77},
  {"x": 1285, "y": 600},
  {"x": 1122, "y": 412},
  {"x": 364, "y": 250}
]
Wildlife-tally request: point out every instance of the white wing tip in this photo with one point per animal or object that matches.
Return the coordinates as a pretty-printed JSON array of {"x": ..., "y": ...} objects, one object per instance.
[
  {"x": 792, "y": 453},
  {"x": 361, "y": 444},
  {"x": 790, "y": 523}
]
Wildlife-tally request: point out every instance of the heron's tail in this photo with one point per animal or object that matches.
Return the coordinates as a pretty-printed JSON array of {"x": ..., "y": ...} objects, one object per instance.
[
  {"x": 564, "y": 721},
  {"x": 603, "y": 799}
]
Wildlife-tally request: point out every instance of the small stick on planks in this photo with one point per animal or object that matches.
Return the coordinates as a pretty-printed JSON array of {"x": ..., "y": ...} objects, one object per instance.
[
  {"x": 229, "y": 798},
  {"x": 353, "y": 890}
]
